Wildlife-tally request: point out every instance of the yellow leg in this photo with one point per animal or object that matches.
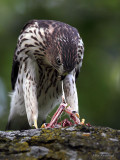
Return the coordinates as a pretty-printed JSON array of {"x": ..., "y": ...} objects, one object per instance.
[{"x": 35, "y": 124}]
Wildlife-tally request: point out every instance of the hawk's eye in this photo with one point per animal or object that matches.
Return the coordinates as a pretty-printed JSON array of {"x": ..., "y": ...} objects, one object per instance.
[{"x": 58, "y": 61}]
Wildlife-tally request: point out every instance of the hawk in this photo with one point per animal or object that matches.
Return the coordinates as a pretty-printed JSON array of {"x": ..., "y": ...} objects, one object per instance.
[{"x": 46, "y": 62}]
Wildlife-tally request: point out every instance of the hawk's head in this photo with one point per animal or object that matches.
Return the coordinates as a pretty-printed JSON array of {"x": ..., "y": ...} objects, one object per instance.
[
  {"x": 55, "y": 43},
  {"x": 62, "y": 48}
]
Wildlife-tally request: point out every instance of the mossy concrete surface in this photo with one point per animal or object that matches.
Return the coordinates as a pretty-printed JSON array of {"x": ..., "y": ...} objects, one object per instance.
[{"x": 72, "y": 143}]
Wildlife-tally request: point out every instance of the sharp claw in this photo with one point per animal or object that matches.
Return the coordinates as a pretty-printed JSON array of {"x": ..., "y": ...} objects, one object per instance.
[
  {"x": 35, "y": 124},
  {"x": 43, "y": 125},
  {"x": 82, "y": 122},
  {"x": 76, "y": 114}
]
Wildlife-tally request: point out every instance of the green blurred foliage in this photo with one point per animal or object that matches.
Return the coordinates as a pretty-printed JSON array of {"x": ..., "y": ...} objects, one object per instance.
[{"x": 99, "y": 25}]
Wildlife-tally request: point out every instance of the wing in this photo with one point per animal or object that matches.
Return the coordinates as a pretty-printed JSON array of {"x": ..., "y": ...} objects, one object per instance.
[
  {"x": 14, "y": 73},
  {"x": 21, "y": 49},
  {"x": 16, "y": 63},
  {"x": 19, "y": 76}
]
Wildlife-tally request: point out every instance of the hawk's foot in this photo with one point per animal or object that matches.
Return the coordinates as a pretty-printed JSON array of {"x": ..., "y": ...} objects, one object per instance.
[
  {"x": 35, "y": 124},
  {"x": 82, "y": 122}
]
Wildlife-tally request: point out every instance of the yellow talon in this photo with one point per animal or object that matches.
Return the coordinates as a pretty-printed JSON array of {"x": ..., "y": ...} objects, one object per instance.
[
  {"x": 77, "y": 115},
  {"x": 83, "y": 121},
  {"x": 43, "y": 125},
  {"x": 35, "y": 124}
]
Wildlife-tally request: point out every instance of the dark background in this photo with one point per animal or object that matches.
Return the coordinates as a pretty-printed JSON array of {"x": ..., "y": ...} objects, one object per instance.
[{"x": 98, "y": 23}]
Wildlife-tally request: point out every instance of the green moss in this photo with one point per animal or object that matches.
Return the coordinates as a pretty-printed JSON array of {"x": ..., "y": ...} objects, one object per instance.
[
  {"x": 62, "y": 143},
  {"x": 57, "y": 155},
  {"x": 19, "y": 147}
]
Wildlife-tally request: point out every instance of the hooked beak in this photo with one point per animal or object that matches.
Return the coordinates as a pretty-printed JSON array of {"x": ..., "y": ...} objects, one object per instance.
[{"x": 63, "y": 75}]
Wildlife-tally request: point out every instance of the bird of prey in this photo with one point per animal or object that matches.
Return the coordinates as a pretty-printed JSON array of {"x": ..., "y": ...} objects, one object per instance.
[{"x": 48, "y": 54}]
